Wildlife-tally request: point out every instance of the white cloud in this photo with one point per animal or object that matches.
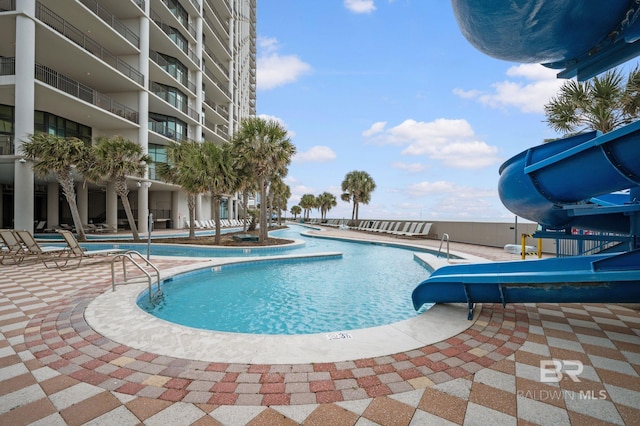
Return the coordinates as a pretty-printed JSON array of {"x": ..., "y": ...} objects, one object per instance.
[
  {"x": 375, "y": 128},
  {"x": 360, "y": 6},
  {"x": 275, "y": 70},
  {"x": 409, "y": 167},
  {"x": 451, "y": 141},
  {"x": 315, "y": 154},
  {"x": 531, "y": 87}
]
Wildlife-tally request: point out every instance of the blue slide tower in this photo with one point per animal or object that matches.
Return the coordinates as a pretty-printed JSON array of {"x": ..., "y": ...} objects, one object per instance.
[{"x": 589, "y": 181}]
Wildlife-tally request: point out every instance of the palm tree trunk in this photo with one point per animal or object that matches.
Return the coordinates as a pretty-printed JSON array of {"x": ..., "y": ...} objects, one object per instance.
[
  {"x": 130, "y": 218},
  {"x": 191, "y": 203},
  {"x": 262, "y": 235},
  {"x": 216, "y": 218},
  {"x": 69, "y": 192},
  {"x": 245, "y": 208}
]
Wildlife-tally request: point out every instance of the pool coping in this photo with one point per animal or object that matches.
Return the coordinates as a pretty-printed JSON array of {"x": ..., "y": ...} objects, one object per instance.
[{"x": 112, "y": 313}]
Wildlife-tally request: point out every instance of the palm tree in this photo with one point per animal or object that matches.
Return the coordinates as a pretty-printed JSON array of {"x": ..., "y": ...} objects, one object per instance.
[
  {"x": 279, "y": 193},
  {"x": 325, "y": 201},
  {"x": 185, "y": 169},
  {"x": 264, "y": 147},
  {"x": 603, "y": 103},
  {"x": 357, "y": 186},
  {"x": 114, "y": 160},
  {"x": 219, "y": 175},
  {"x": 295, "y": 211},
  {"x": 58, "y": 156},
  {"x": 308, "y": 202}
]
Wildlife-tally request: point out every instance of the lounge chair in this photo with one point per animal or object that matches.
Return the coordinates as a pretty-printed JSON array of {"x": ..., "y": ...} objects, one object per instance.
[
  {"x": 40, "y": 227},
  {"x": 77, "y": 252},
  {"x": 411, "y": 230},
  {"x": 34, "y": 250},
  {"x": 401, "y": 229},
  {"x": 421, "y": 231},
  {"x": 12, "y": 248},
  {"x": 382, "y": 227}
]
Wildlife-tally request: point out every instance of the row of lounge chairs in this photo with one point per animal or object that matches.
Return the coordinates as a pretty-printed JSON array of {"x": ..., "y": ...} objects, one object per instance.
[
  {"x": 401, "y": 229},
  {"x": 89, "y": 228},
  {"x": 211, "y": 224},
  {"x": 20, "y": 246}
]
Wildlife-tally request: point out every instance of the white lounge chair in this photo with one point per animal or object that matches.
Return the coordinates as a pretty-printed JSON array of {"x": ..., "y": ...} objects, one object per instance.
[{"x": 403, "y": 228}]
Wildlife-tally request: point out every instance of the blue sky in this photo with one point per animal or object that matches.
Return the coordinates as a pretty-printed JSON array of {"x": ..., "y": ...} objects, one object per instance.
[{"x": 392, "y": 87}]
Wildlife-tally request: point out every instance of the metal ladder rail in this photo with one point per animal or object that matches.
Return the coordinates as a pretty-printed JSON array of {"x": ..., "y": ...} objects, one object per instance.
[
  {"x": 130, "y": 256},
  {"x": 444, "y": 236}
]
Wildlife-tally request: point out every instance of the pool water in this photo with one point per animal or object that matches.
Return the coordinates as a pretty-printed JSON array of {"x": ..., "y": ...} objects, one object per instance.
[{"x": 370, "y": 285}]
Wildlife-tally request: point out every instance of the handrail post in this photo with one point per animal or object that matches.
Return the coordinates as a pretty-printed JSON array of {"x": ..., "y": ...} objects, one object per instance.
[{"x": 444, "y": 236}]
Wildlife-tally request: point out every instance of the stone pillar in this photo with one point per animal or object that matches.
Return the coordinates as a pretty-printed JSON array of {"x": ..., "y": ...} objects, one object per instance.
[
  {"x": 24, "y": 101},
  {"x": 111, "y": 206},
  {"x": 82, "y": 199}
]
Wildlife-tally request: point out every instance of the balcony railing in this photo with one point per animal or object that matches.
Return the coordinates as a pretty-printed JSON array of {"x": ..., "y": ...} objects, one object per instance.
[
  {"x": 112, "y": 21},
  {"x": 171, "y": 99},
  {"x": 217, "y": 82},
  {"x": 217, "y": 33},
  {"x": 168, "y": 29},
  {"x": 7, "y": 5},
  {"x": 184, "y": 20},
  {"x": 7, "y": 66},
  {"x": 72, "y": 33},
  {"x": 164, "y": 130},
  {"x": 85, "y": 93},
  {"x": 220, "y": 109},
  {"x": 164, "y": 64},
  {"x": 222, "y": 66}
]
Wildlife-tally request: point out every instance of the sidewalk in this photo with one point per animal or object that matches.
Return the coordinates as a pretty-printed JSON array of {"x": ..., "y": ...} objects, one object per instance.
[{"x": 55, "y": 369}]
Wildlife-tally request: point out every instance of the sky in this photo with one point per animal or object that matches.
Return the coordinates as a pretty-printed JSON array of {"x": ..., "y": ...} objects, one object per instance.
[{"x": 392, "y": 88}]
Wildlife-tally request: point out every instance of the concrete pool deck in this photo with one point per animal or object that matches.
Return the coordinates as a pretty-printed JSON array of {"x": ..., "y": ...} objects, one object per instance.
[{"x": 57, "y": 369}]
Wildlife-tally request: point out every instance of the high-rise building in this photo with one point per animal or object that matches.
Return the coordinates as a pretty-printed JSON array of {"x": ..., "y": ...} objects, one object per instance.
[{"x": 152, "y": 71}]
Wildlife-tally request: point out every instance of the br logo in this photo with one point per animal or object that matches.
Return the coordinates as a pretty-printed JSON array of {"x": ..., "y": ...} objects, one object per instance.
[{"x": 553, "y": 370}]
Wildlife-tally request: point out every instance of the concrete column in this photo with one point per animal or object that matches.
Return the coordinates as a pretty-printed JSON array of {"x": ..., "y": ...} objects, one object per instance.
[
  {"x": 24, "y": 101},
  {"x": 176, "y": 216},
  {"x": 53, "y": 204},
  {"x": 199, "y": 207},
  {"x": 199, "y": 95},
  {"x": 230, "y": 209},
  {"x": 111, "y": 206},
  {"x": 143, "y": 208},
  {"x": 143, "y": 132},
  {"x": 82, "y": 199}
]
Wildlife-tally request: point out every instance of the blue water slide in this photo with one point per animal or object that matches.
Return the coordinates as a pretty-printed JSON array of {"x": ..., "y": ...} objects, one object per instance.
[
  {"x": 581, "y": 38},
  {"x": 589, "y": 181},
  {"x": 564, "y": 183},
  {"x": 568, "y": 182},
  {"x": 586, "y": 279}
]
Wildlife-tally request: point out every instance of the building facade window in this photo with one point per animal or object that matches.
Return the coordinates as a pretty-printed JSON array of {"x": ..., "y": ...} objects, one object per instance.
[
  {"x": 175, "y": 68},
  {"x": 158, "y": 154},
  {"x": 178, "y": 11},
  {"x": 170, "y": 127},
  {"x": 172, "y": 95},
  {"x": 177, "y": 37},
  {"x": 52, "y": 124}
]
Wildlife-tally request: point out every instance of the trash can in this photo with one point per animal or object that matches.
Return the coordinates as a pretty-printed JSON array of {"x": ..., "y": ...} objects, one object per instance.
[{"x": 169, "y": 224}]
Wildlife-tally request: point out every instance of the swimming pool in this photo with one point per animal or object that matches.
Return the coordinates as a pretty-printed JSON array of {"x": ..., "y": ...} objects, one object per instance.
[{"x": 368, "y": 286}]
